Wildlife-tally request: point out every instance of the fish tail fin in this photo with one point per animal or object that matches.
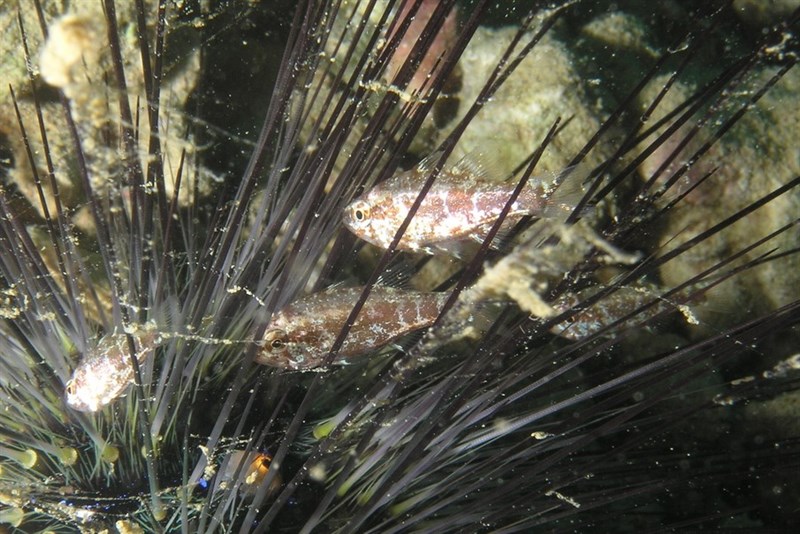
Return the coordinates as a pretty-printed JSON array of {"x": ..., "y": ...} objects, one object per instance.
[{"x": 563, "y": 192}]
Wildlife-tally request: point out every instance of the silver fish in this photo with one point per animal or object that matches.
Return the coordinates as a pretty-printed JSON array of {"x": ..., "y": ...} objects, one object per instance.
[
  {"x": 106, "y": 372},
  {"x": 462, "y": 204},
  {"x": 300, "y": 335}
]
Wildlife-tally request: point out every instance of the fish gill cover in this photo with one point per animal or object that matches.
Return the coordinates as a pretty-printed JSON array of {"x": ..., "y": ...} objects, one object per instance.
[{"x": 176, "y": 176}]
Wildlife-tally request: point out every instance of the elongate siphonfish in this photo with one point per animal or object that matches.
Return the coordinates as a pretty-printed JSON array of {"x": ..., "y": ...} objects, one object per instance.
[
  {"x": 462, "y": 204},
  {"x": 612, "y": 308},
  {"x": 105, "y": 371},
  {"x": 301, "y": 334}
]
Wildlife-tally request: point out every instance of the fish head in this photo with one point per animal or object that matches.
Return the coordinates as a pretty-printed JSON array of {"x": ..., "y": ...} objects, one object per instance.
[
  {"x": 278, "y": 350},
  {"x": 83, "y": 392},
  {"x": 104, "y": 373},
  {"x": 374, "y": 218}
]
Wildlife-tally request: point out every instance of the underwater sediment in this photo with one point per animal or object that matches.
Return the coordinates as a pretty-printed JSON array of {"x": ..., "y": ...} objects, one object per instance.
[{"x": 176, "y": 174}]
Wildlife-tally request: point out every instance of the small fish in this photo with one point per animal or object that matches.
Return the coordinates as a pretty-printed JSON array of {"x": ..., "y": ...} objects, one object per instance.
[
  {"x": 462, "y": 204},
  {"x": 608, "y": 310},
  {"x": 252, "y": 467},
  {"x": 106, "y": 372},
  {"x": 301, "y": 334}
]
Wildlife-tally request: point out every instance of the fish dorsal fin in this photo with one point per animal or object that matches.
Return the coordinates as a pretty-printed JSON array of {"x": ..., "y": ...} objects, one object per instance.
[
  {"x": 477, "y": 165},
  {"x": 427, "y": 163},
  {"x": 480, "y": 166},
  {"x": 413, "y": 178}
]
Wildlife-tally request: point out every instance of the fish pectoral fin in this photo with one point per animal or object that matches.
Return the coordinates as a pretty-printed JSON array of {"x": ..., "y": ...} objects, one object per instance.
[
  {"x": 501, "y": 240},
  {"x": 404, "y": 343},
  {"x": 398, "y": 275},
  {"x": 468, "y": 246},
  {"x": 456, "y": 249}
]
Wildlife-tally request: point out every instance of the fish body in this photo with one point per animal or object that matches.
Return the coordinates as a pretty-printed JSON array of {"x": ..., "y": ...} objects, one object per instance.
[
  {"x": 605, "y": 312},
  {"x": 462, "y": 204},
  {"x": 252, "y": 468},
  {"x": 300, "y": 335},
  {"x": 105, "y": 372}
]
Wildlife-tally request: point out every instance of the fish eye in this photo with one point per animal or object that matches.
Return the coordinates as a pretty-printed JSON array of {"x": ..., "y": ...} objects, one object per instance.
[
  {"x": 275, "y": 340},
  {"x": 360, "y": 211},
  {"x": 70, "y": 388}
]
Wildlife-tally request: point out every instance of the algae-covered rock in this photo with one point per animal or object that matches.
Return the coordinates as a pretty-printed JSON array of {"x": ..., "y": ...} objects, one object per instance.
[
  {"x": 757, "y": 156},
  {"x": 76, "y": 60},
  {"x": 514, "y": 122}
]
